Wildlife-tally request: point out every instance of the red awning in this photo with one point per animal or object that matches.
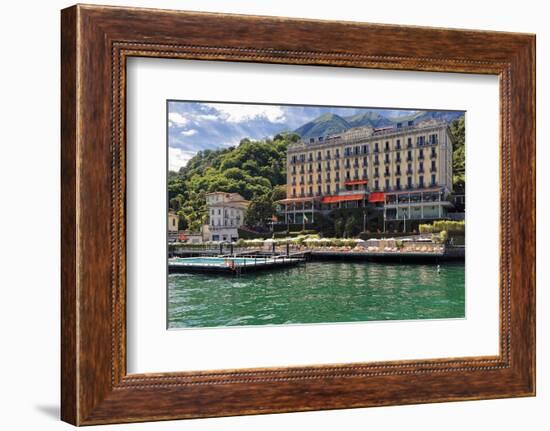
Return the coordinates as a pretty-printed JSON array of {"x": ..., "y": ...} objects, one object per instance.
[
  {"x": 354, "y": 182},
  {"x": 333, "y": 199},
  {"x": 377, "y": 197}
]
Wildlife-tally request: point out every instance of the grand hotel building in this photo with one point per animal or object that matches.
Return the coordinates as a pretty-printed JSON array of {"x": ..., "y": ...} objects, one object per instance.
[{"x": 406, "y": 170}]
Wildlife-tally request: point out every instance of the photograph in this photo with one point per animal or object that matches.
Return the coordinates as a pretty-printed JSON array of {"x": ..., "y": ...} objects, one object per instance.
[{"x": 302, "y": 214}]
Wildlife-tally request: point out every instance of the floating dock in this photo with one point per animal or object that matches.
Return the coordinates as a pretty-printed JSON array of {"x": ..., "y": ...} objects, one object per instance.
[{"x": 231, "y": 265}]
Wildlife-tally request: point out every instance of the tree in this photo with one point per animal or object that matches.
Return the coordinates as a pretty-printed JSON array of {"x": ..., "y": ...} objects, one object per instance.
[
  {"x": 459, "y": 167},
  {"x": 259, "y": 211}
]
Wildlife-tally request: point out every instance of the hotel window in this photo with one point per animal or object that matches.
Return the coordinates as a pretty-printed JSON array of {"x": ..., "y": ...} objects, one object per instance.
[
  {"x": 293, "y": 192},
  {"x": 387, "y": 147},
  {"x": 365, "y": 161},
  {"x": 421, "y": 181},
  {"x": 302, "y": 157},
  {"x": 337, "y": 164},
  {"x": 421, "y": 154},
  {"x": 387, "y": 184},
  {"x": 309, "y": 157},
  {"x": 328, "y": 189},
  {"x": 310, "y": 190},
  {"x": 376, "y": 147},
  {"x": 293, "y": 170},
  {"x": 328, "y": 164},
  {"x": 420, "y": 140},
  {"x": 319, "y": 178},
  {"x": 398, "y": 144},
  {"x": 319, "y": 190},
  {"x": 421, "y": 167},
  {"x": 301, "y": 191},
  {"x": 409, "y": 156},
  {"x": 347, "y": 175},
  {"x": 433, "y": 166},
  {"x": 337, "y": 153},
  {"x": 398, "y": 169},
  {"x": 328, "y": 154},
  {"x": 318, "y": 155},
  {"x": 433, "y": 139},
  {"x": 398, "y": 184},
  {"x": 347, "y": 151},
  {"x": 337, "y": 188},
  {"x": 365, "y": 149},
  {"x": 293, "y": 159},
  {"x": 318, "y": 167},
  {"x": 212, "y": 212},
  {"x": 376, "y": 185},
  {"x": 409, "y": 143},
  {"x": 357, "y": 150},
  {"x": 433, "y": 179},
  {"x": 337, "y": 176},
  {"x": 356, "y": 176},
  {"x": 409, "y": 182},
  {"x": 375, "y": 172},
  {"x": 219, "y": 212},
  {"x": 365, "y": 174}
]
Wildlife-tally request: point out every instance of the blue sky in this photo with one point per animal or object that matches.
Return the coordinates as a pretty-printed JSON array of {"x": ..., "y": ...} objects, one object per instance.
[{"x": 196, "y": 126}]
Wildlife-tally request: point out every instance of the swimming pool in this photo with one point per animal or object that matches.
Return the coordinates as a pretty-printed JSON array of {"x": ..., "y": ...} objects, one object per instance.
[{"x": 219, "y": 261}]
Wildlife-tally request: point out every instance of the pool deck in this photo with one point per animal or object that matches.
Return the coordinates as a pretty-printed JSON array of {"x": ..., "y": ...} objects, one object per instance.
[{"x": 254, "y": 264}]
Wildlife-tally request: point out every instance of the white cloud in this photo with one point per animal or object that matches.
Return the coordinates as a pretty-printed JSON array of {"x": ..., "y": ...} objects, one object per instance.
[
  {"x": 189, "y": 132},
  {"x": 176, "y": 119},
  {"x": 178, "y": 158},
  {"x": 236, "y": 113}
]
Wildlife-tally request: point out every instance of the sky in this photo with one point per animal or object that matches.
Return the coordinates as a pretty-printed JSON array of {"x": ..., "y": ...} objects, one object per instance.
[{"x": 196, "y": 126}]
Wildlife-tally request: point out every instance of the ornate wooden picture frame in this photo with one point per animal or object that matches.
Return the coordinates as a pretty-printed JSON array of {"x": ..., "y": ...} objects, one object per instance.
[{"x": 96, "y": 42}]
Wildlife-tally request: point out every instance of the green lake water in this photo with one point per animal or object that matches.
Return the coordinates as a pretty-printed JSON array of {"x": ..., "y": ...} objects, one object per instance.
[{"x": 318, "y": 292}]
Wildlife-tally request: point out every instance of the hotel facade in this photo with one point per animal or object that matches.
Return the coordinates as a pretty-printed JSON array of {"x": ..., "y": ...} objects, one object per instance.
[
  {"x": 226, "y": 213},
  {"x": 406, "y": 170}
]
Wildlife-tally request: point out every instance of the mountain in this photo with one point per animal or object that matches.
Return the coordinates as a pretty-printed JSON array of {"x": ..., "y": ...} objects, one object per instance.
[
  {"x": 419, "y": 116},
  {"x": 369, "y": 118},
  {"x": 328, "y": 123},
  {"x": 324, "y": 125}
]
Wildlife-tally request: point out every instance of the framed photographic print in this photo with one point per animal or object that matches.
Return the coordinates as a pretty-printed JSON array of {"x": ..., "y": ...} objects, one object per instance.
[{"x": 316, "y": 215}]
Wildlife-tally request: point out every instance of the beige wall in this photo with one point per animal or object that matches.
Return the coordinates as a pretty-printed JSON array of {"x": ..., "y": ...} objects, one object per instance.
[{"x": 172, "y": 222}]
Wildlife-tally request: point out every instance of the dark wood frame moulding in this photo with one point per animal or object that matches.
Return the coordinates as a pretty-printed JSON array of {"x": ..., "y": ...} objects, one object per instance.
[{"x": 96, "y": 41}]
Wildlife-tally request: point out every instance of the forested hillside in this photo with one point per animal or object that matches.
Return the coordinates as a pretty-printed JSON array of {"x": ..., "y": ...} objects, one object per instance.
[{"x": 253, "y": 168}]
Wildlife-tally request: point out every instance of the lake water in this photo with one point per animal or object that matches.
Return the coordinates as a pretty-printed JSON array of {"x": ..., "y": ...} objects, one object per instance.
[{"x": 318, "y": 292}]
